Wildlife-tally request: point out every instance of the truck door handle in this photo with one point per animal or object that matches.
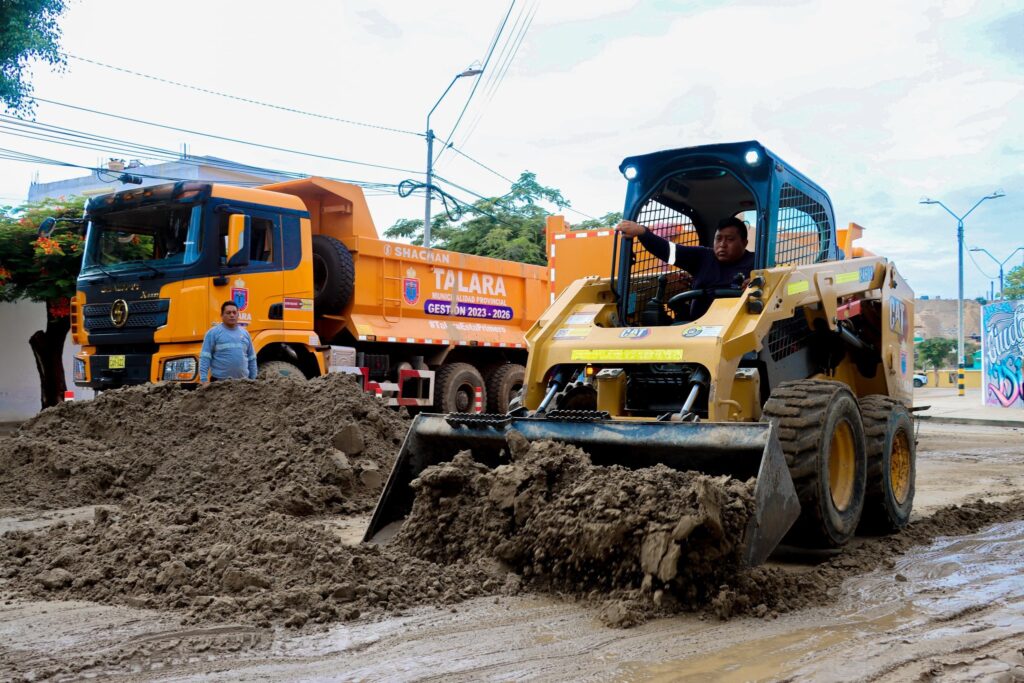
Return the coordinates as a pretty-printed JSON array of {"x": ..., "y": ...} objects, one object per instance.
[{"x": 276, "y": 312}]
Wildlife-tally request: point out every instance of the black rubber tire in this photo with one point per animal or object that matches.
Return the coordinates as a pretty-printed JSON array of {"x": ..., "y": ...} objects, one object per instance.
[
  {"x": 503, "y": 383},
  {"x": 886, "y": 423},
  {"x": 918, "y": 384},
  {"x": 454, "y": 388},
  {"x": 279, "y": 368},
  {"x": 807, "y": 414},
  {"x": 334, "y": 275}
]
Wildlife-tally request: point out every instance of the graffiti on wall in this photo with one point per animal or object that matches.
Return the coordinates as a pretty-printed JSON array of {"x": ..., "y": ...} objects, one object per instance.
[{"x": 1002, "y": 349}]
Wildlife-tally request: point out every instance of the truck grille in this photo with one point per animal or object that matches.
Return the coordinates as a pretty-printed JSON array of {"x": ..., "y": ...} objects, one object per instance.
[{"x": 141, "y": 315}]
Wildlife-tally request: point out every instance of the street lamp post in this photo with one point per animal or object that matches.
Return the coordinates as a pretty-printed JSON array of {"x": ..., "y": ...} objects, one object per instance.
[
  {"x": 961, "y": 361},
  {"x": 1001, "y": 263},
  {"x": 430, "y": 152}
]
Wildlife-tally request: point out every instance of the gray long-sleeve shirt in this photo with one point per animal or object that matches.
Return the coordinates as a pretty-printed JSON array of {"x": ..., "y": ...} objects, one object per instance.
[{"x": 227, "y": 354}]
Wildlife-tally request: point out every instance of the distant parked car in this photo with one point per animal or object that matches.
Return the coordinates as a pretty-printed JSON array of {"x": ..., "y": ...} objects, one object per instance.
[{"x": 920, "y": 379}]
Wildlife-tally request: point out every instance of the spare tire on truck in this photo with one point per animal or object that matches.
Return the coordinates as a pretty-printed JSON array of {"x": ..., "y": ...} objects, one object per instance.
[{"x": 334, "y": 275}]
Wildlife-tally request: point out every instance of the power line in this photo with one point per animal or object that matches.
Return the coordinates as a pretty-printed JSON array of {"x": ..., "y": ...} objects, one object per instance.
[
  {"x": 241, "y": 99},
  {"x": 492, "y": 87},
  {"x": 476, "y": 82},
  {"x": 228, "y": 139},
  {"x": 479, "y": 163}
]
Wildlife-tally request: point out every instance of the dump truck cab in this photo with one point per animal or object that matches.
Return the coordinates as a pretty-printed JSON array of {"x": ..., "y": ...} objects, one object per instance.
[{"x": 156, "y": 269}]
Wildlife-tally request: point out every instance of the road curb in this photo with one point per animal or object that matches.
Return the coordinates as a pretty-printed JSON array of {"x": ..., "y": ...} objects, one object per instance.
[{"x": 1017, "y": 424}]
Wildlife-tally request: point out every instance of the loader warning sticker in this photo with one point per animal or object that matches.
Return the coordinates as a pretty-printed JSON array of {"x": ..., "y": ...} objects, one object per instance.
[
  {"x": 580, "y": 319},
  {"x": 635, "y": 332},
  {"x": 572, "y": 333},
  {"x": 852, "y": 276},
  {"x": 638, "y": 355},
  {"x": 703, "y": 331},
  {"x": 798, "y": 287},
  {"x": 465, "y": 310}
]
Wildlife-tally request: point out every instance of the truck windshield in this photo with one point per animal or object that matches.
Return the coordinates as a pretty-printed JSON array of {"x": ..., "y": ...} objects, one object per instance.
[{"x": 146, "y": 236}]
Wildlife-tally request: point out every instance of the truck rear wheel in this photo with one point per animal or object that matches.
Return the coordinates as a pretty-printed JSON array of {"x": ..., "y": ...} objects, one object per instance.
[
  {"x": 334, "y": 275},
  {"x": 819, "y": 426},
  {"x": 279, "y": 368},
  {"x": 503, "y": 384},
  {"x": 455, "y": 388},
  {"x": 889, "y": 437}
]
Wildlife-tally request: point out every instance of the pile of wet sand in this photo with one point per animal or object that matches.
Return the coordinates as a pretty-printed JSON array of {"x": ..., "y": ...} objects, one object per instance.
[
  {"x": 215, "y": 501},
  {"x": 639, "y": 541},
  {"x": 218, "y": 563},
  {"x": 300, "y": 448}
]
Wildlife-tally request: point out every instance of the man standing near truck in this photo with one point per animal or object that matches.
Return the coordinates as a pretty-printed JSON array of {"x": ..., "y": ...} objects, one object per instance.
[{"x": 227, "y": 351}]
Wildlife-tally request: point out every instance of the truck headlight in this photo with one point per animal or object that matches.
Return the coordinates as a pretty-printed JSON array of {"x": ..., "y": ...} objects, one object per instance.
[
  {"x": 79, "y": 370},
  {"x": 180, "y": 370}
]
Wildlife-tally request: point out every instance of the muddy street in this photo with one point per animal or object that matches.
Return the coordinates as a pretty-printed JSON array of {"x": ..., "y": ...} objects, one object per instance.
[{"x": 943, "y": 602}]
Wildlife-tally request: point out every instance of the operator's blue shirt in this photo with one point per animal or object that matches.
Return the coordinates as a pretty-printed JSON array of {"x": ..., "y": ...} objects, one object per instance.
[{"x": 227, "y": 354}]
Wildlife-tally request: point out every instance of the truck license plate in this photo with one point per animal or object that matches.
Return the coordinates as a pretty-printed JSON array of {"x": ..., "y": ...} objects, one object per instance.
[{"x": 116, "y": 363}]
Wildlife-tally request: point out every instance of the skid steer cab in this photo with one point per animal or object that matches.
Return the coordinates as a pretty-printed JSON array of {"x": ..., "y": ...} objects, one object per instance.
[{"x": 799, "y": 373}]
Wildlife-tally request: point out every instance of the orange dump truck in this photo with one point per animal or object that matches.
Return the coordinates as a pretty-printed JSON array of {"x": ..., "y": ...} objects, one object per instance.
[{"x": 315, "y": 286}]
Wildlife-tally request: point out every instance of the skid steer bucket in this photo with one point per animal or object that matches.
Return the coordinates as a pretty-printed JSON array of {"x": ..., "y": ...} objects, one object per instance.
[{"x": 741, "y": 450}]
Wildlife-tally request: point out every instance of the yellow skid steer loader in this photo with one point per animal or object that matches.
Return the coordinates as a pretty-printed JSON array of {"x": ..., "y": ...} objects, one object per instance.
[{"x": 800, "y": 376}]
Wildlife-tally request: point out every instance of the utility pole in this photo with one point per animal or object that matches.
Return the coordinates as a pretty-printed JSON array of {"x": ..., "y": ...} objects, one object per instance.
[
  {"x": 961, "y": 361},
  {"x": 430, "y": 153},
  {"x": 1000, "y": 264}
]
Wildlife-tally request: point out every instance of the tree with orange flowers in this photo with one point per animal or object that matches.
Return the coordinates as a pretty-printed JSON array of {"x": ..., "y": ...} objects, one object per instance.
[{"x": 43, "y": 266}]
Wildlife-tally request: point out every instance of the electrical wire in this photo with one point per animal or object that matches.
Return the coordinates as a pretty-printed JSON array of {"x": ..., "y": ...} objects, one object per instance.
[
  {"x": 15, "y": 155},
  {"x": 476, "y": 83},
  {"x": 247, "y": 100},
  {"x": 492, "y": 88},
  {"x": 407, "y": 187},
  {"x": 229, "y": 139}
]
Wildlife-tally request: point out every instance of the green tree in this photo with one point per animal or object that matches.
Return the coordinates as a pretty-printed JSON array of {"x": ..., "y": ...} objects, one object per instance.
[
  {"x": 609, "y": 220},
  {"x": 1013, "y": 283},
  {"x": 509, "y": 227},
  {"x": 937, "y": 352},
  {"x": 43, "y": 268},
  {"x": 28, "y": 30}
]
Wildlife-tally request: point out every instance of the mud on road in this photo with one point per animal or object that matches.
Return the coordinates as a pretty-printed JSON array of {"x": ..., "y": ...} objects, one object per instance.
[{"x": 216, "y": 553}]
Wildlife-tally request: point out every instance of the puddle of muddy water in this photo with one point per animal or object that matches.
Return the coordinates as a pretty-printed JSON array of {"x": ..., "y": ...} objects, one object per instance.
[{"x": 954, "y": 596}]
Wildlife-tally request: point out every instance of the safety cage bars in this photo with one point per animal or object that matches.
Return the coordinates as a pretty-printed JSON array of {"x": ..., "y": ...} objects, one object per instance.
[
  {"x": 646, "y": 269},
  {"x": 802, "y": 231}
]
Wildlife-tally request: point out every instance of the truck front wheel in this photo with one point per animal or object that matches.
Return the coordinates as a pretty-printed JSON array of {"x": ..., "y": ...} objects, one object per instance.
[{"x": 279, "y": 368}]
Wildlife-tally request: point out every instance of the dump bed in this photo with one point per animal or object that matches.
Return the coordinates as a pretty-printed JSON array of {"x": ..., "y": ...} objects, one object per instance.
[{"x": 409, "y": 294}]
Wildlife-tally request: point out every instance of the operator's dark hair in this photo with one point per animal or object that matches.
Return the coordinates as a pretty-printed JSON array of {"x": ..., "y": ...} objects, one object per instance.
[
  {"x": 226, "y": 304},
  {"x": 734, "y": 222}
]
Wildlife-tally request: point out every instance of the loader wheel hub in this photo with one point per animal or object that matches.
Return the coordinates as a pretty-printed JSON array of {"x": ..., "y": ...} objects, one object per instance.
[
  {"x": 899, "y": 466},
  {"x": 842, "y": 466}
]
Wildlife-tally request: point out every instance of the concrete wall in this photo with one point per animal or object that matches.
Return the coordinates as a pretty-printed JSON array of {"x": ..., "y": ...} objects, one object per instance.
[
  {"x": 19, "y": 380},
  {"x": 947, "y": 378}
]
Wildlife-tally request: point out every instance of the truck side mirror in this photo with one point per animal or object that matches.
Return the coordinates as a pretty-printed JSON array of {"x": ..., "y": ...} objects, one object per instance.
[
  {"x": 238, "y": 240},
  {"x": 47, "y": 226}
]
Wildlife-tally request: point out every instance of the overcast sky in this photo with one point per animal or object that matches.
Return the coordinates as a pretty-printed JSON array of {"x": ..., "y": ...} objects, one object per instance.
[{"x": 882, "y": 103}]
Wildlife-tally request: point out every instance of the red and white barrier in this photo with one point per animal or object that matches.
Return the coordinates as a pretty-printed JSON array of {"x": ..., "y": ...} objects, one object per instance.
[{"x": 478, "y": 399}]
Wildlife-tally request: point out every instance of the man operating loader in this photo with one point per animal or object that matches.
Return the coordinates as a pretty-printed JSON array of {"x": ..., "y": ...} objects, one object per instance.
[{"x": 716, "y": 267}]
